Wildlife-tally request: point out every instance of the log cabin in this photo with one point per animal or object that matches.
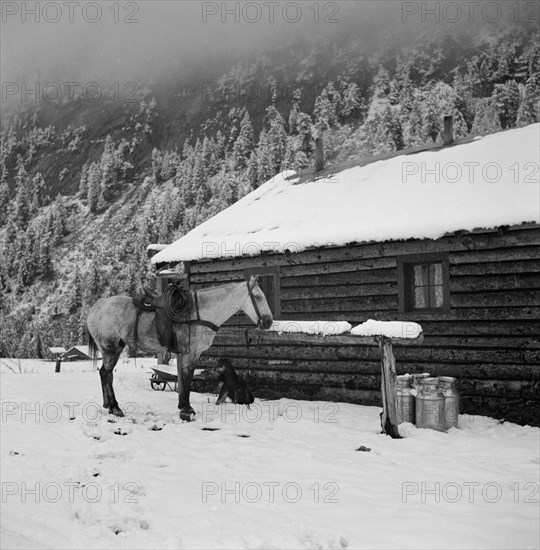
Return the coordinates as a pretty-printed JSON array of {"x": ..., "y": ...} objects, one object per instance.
[{"x": 447, "y": 236}]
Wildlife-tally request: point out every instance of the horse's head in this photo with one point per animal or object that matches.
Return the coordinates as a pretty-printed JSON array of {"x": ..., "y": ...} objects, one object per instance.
[{"x": 255, "y": 305}]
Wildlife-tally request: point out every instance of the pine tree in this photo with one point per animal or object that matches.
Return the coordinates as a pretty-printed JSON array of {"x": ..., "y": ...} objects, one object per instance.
[
  {"x": 529, "y": 109},
  {"x": 265, "y": 159},
  {"x": 235, "y": 116},
  {"x": 39, "y": 347},
  {"x": 4, "y": 195},
  {"x": 327, "y": 108},
  {"x": 388, "y": 134},
  {"x": 506, "y": 101},
  {"x": 38, "y": 190},
  {"x": 59, "y": 220},
  {"x": 109, "y": 173},
  {"x": 293, "y": 117},
  {"x": 252, "y": 171},
  {"x": 431, "y": 124},
  {"x": 3, "y": 274},
  {"x": 352, "y": 103},
  {"x": 23, "y": 262},
  {"x": 94, "y": 178},
  {"x": 83, "y": 182},
  {"x": 22, "y": 198},
  {"x": 75, "y": 294},
  {"x": 45, "y": 260},
  {"x": 243, "y": 146},
  {"x": 411, "y": 121},
  {"x": 10, "y": 246},
  {"x": 463, "y": 98},
  {"x": 276, "y": 136},
  {"x": 92, "y": 281},
  {"x": 381, "y": 83},
  {"x": 486, "y": 120},
  {"x": 157, "y": 165},
  {"x": 306, "y": 134}
]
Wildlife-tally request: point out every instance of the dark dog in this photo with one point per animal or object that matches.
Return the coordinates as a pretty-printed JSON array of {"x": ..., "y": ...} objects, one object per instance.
[{"x": 233, "y": 387}]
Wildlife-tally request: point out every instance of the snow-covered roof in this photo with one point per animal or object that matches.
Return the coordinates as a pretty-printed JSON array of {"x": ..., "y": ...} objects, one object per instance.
[
  {"x": 488, "y": 182},
  {"x": 57, "y": 350},
  {"x": 85, "y": 350},
  {"x": 156, "y": 247}
]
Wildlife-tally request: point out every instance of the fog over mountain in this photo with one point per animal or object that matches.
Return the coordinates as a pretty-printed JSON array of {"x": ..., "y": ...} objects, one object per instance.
[{"x": 148, "y": 39}]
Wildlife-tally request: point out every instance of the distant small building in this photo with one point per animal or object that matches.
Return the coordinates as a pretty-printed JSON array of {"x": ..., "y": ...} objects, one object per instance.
[
  {"x": 78, "y": 353},
  {"x": 57, "y": 352}
]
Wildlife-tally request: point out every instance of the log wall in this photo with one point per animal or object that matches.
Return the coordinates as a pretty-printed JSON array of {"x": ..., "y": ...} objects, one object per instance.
[{"x": 489, "y": 340}]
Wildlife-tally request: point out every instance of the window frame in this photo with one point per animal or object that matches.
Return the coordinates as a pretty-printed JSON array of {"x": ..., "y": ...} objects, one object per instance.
[
  {"x": 404, "y": 264},
  {"x": 265, "y": 272}
]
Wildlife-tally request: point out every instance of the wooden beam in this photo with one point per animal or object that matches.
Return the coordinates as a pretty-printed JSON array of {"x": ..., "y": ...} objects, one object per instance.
[{"x": 388, "y": 389}]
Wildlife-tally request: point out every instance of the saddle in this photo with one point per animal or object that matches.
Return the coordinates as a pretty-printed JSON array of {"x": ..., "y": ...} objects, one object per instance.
[
  {"x": 149, "y": 300},
  {"x": 175, "y": 305}
]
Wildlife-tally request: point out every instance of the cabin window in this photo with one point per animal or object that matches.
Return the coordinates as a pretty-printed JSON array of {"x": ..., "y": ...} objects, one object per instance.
[
  {"x": 424, "y": 283},
  {"x": 269, "y": 283}
]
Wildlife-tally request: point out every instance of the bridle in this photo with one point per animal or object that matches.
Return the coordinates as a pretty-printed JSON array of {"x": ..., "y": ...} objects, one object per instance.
[{"x": 254, "y": 303}]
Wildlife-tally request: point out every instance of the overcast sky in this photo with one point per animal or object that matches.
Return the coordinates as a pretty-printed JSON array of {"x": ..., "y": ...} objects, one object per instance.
[
  {"x": 134, "y": 39},
  {"x": 124, "y": 41}
]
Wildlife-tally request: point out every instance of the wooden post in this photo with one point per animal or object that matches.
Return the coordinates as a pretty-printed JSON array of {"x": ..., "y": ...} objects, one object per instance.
[
  {"x": 58, "y": 363},
  {"x": 388, "y": 388},
  {"x": 319, "y": 153}
]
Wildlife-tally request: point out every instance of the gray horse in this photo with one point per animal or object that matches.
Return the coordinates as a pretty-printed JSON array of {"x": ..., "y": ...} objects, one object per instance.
[{"x": 111, "y": 325}]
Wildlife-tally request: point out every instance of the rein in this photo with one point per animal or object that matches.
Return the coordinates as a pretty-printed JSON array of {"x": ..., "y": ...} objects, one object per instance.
[{"x": 198, "y": 320}]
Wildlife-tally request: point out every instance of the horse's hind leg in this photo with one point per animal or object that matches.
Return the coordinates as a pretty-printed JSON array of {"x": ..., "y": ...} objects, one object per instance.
[{"x": 110, "y": 358}]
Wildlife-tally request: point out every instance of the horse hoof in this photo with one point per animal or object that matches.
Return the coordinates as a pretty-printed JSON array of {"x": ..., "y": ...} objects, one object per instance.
[
  {"x": 187, "y": 416},
  {"x": 116, "y": 412}
]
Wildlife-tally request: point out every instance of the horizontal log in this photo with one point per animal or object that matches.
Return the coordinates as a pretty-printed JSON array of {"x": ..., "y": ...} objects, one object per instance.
[
  {"x": 217, "y": 278},
  {"x": 373, "y": 276},
  {"x": 326, "y": 305},
  {"x": 477, "y": 314},
  {"x": 491, "y": 329},
  {"x": 234, "y": 337},
  {"x": 495, "y": 268},
  {"x": 508, "y": 298},
  {"x": 517, "y": 410},
  {"x": 495, "y": 282},
  {"x": 457, "y": 243},
  {"x": 526, "y": 389},
  {"x": 485, "y": 371},
  {"x": 371, "y": 353},
  {"x": 440, "y": 327},
  {"x": 355, "y": 266},
  {"x": 466, "y": 386},
  {"x": 497, "y": 255},
  {"x": 341, "y": 291},
  {"x": 272, "y": 386}
]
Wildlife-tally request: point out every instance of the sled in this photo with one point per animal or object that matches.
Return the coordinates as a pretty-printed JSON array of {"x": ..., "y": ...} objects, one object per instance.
[{"x": 166, "y": 376}]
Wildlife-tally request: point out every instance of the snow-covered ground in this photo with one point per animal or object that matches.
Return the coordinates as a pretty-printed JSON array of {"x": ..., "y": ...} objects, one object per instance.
[{"x": 284, "y": 474}]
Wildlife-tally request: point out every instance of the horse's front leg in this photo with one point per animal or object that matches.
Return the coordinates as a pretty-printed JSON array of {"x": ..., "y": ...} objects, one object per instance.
[{"x": 185, "y": 365}]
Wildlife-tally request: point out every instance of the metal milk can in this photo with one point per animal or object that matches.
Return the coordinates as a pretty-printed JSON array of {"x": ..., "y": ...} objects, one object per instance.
[
  {"x": 405, "y": 404},
  {"x": 451, "y": 401},
  {"x": 416, "y": 380},
  {"x": 430, "y": 406}
]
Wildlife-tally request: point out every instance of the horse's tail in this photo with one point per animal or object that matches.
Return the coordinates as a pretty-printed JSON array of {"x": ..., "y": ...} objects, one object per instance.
[{"x": 92, "y": 348}]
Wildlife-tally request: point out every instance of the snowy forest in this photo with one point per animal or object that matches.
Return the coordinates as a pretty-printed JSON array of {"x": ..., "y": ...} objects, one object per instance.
[{"x": 86, "y": 187}]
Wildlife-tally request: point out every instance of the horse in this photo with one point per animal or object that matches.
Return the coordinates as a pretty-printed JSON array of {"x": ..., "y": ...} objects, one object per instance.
[{"x": 112, "y": 324}]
